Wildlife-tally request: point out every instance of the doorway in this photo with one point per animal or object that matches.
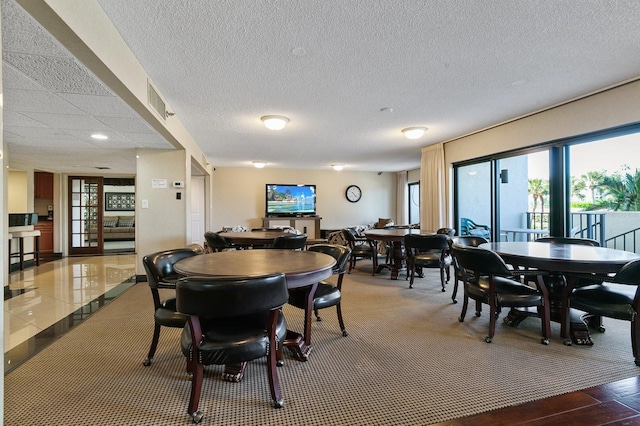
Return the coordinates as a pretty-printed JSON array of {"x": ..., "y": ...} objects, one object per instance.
[{"x": 85, "y": 215}]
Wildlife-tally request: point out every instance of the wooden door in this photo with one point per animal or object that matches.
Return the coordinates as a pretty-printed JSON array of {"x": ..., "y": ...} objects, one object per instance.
[{"x": 85, "y": 215}]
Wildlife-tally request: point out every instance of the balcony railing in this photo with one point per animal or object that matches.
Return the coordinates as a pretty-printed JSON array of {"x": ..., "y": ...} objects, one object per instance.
[{"x": 583, "y": 224}]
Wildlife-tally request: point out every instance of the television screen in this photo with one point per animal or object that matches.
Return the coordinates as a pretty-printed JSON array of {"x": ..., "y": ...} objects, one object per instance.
[{"x": 290, "y": 200}]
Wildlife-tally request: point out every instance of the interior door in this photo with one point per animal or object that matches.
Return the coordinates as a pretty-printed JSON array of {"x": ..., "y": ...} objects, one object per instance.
[{"x": 85, "y": 215}]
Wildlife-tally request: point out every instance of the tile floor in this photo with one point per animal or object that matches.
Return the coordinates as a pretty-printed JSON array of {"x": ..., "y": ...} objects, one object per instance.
[{"x": 45, "y": 301}]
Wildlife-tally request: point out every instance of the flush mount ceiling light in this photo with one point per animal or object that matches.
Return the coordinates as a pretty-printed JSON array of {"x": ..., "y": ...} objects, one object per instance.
[
  {"x": 274, "y": 122},
  {"x": 259, "y": 164},
  {"x": 99, "y": 136},
  {"x": 414, "y": 132},
  {"x": 337, "y": 167}
]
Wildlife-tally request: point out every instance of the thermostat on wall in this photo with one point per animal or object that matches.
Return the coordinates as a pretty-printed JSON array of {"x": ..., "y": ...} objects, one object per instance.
[{"x": 178, "y": 184}]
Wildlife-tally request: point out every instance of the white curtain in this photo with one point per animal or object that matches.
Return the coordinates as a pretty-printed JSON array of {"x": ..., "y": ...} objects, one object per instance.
[
  {"x": 433, "y": 207},
  {"x": 402, "y": 203}
]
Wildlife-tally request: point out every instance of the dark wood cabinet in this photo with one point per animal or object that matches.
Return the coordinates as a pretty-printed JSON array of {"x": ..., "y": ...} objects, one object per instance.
[
  {"x": 46, "y": 236},
  {"x": 43, "y": 183}
]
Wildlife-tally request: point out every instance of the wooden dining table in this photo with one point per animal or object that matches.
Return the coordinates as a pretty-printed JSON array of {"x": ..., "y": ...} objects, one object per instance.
[
  {"x": 395, "y": 236},
  {"x": 253, "y": 238},
  {"x": 564, "y": 259},
  {"x": 301, "y": 268}
]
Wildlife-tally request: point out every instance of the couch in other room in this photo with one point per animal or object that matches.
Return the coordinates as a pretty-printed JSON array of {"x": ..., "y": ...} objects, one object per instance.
[{"x": 118, "y": 228}]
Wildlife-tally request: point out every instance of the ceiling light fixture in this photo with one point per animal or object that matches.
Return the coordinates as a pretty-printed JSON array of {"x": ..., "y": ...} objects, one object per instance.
[
  {"x": 414, "y": 132},
  {"x": 99, "y": 136},
  {"x": 274, "y": 122},
  {"x": 337, "y": 167},
  {"x": 259, "y": 164}
]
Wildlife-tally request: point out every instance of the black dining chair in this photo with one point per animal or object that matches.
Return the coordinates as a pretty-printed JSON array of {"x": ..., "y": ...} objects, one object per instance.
[
  {"x": 428, "y": 251},
  {"x": 326, "y": 294},
  {"x": 467, "y": 241},
  {"x": 361, "y": 248},
  {"x": 216, "y": 242},
  {"x": 232, "y": 320},
  {"x": 618, "y": 297},
  {"x": 291, "y": 242},
  {"x": 160, "y": 275},
  {"x": 493, "y": 283}
]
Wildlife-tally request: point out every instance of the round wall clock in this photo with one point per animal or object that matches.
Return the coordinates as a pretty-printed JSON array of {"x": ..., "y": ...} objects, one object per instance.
[{"x": 353, "y": 193}]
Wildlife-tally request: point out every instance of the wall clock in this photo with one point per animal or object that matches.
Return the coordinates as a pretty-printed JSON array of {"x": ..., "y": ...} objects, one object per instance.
[{"x": 353, "y": 193}]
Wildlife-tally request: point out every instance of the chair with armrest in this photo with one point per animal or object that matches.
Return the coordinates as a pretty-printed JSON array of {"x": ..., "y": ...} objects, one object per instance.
[
  {"x": 327, "y": 294},
  {"x": 469, "y": 227},
  {"x": 618, "y": 297},
  {"x": 216, "y": 242},
  {"x": 427, "y": 251},
  {"x": 292, "y": 242},
  {"x": 160, "y": 275},
  {"x": 492, "y": 282},
  {"x": 232, "y": 320},
  {"x": 467, "y": 241},
  {"x": 361, "y": 248}
]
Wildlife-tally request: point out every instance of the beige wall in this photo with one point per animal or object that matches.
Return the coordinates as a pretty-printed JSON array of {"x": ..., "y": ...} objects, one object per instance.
[
  {"x": 18, "y": 192},
  {"x": 238, "y": 195}
]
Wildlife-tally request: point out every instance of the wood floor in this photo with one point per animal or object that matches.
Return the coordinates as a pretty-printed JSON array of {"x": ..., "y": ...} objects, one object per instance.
[{"x": 615, "y": 403}]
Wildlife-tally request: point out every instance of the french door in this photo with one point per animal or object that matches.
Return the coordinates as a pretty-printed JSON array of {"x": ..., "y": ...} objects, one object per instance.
[{"x": 85, "y": 215}]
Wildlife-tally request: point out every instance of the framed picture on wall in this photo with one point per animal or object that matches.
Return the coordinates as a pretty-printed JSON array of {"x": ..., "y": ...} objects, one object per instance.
[{"x": 119, "y": 201}]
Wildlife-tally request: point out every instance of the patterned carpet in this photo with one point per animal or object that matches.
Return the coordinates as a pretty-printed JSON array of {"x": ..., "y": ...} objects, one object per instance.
[{"x": 407, "y": 361}]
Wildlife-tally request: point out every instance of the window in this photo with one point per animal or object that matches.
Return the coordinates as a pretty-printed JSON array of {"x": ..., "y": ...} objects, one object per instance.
[{"x": 414, "y": 202}]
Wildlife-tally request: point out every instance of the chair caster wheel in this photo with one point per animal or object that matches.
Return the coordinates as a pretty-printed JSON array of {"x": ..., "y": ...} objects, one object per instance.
[
  {"x": 454, "y": 301},
  {"x": 279, "y": 363},
  {"x": 601, "y": 329},
  {"x": 567, "y": 342},
  {"x": 197, "y": 416},
  {"x": 544, "y": 341},
  {"x": 147, "y": 362},
  {"x": 460, "y": 319},
  {"x": 344, "y": 333},
  {"x": 478, "y": 314},
  {"x": 278, "y": 404},
  {"x": 488, "y": 339},
  {"x": 318, "y": 318}
]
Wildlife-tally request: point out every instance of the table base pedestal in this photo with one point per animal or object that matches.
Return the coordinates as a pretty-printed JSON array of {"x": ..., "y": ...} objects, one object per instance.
[{"x": 578, "y": 330}]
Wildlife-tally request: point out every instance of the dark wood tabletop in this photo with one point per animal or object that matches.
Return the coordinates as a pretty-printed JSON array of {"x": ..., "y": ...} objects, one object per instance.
[
  {"x": 394, "y": 234},
  {"x": 559, "y": 257},
  {"x": 300, "y": 267},
  {"x": 253, "y": 237}
]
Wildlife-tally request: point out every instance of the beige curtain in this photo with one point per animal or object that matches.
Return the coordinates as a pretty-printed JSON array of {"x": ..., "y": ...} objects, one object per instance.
[
  {"x": 402, "y": 203},
  {"x": 433, "y": 199}
]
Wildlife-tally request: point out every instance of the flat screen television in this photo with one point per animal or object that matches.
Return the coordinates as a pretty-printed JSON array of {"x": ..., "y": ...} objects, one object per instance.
[{"x": 290, "y": 200}]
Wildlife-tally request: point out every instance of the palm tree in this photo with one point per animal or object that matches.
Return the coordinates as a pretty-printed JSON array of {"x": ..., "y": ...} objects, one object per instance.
[
  {"x": 538, "y": 189},
  {"x": 593, "y": 180},
  {"x": 623, "y": 190},
  {"x": 578, "y": 185}
]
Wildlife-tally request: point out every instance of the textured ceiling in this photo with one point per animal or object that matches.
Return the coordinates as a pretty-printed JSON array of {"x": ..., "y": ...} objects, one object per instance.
[{"x": 453, "y": 66}]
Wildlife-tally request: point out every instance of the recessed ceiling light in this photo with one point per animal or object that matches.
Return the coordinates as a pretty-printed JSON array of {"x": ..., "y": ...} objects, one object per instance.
[
  {"x": 414, "y": 132},
  {"x": 99, "y": 136},
  {"x": 259, "y": 164},
  {"x": 337, "y": 167},
  {"x": 386, "y": 109}
]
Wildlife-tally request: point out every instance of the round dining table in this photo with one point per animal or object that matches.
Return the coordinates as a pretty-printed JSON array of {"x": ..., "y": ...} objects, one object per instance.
[
  {"x": 253, "y": 238},
  {"x": 301, "y": 268},
  {"x": 564, "y": 259},
  {"x": 395, "y": 236}
]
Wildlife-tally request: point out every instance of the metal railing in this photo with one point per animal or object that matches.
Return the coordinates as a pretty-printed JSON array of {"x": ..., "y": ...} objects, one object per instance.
[
  {"x": 626, "y": 241},
  {"x": 583, "y": 224}
]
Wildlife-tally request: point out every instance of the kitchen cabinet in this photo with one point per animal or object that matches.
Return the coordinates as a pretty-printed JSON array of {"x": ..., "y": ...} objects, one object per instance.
[
  {"x": 43, "y": 183},
  {"x": 46, "y": 236}
]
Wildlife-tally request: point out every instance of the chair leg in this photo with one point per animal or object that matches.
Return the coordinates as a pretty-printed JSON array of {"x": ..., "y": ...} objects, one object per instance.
[
  {"x": 545, "y": 316},
  {"x": 272, "y": 372},
  {"x": 196, "y": 388},
  {"x": 154, "y": 345},
  {"x": 340, "y": 321},
  {"x": 635, "y": 339},
  {"x": 455, "y": 290},
  {"x": 492, "y": 323},
  {"x": 442, "y": 278},
  {"x": 465, "y": 305},
  {"x": 318, "y": 317}
]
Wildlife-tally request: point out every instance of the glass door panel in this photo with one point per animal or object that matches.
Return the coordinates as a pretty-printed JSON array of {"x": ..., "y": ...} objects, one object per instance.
[
  {"x": 473, "y": 198},
  {"x": 414, "y": 202},
  {"x": 523, "y": 196},
  {"x": 85, "y": 215}
]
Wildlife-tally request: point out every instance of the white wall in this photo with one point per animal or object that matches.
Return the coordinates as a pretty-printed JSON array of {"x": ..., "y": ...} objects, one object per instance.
[{"x": 239, "y": 195}]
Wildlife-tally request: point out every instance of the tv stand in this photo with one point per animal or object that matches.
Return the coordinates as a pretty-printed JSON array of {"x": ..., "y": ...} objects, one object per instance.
[{"x": 309, "y": 225}]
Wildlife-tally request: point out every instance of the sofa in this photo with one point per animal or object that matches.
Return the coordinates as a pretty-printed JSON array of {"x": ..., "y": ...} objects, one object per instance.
[{"x": 118, "y": 228}]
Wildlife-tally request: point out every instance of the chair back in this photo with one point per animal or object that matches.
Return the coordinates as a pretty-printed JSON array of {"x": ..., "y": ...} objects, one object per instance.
[
  {"x": 215, "y": 241},
  {"x": 266, "y": 229},
  {"x": 470, "y": 240},
  {"x": 159, "y": 266},
  {"x": 569, "y": 240},
  {"x": 196, "y": 248},
  {"x": 449, "y": 232},
  {"x": 419, "y": 243},
  {"x": 292, "y": 241},
  {"x": 349, "y": 235},
  {"x": 481, "y": 261},
  {"x": 340, "y": 253},
  {"x": 629, "y": 274},
  {"x": 220, "y": 297}
]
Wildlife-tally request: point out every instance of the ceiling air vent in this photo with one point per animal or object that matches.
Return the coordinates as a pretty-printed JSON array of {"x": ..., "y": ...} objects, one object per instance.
[{"x": 155, "y": 101}]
